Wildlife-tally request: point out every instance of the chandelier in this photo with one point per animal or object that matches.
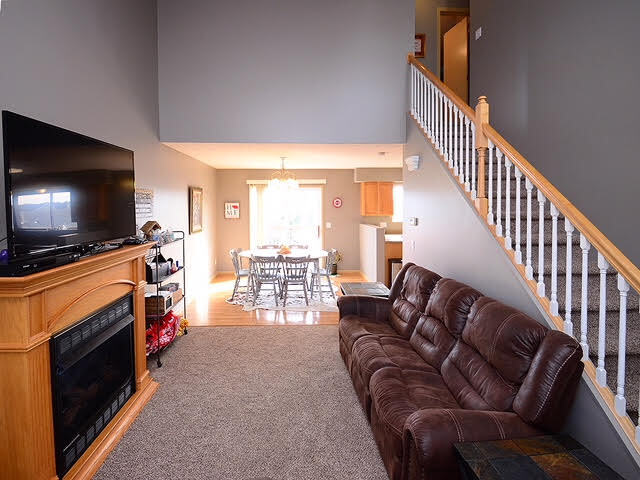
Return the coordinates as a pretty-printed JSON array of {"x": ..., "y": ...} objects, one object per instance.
[{"x": 282, "y": 178}]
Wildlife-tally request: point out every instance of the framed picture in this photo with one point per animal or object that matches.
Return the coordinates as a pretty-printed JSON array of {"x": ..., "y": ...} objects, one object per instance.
[
  {"x": 419, "y": 45},
  {"x": 232, "y": 210},
  {"x": 195, "y": 209}
]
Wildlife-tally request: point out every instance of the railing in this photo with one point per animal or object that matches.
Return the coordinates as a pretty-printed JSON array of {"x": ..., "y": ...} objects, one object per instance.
[{"x": 477, "y": 157}]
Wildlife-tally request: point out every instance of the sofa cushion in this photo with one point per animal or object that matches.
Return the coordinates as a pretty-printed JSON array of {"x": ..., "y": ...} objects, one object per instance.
[
  {"x": 352, "y": 327},
  {"x": 412, "y": 300},
  {"x": 490, "y": 361},
  {"x": 372, "y": 353},
  {"x": 446, "y": 316},
  {"x": 397, "y": 393}
]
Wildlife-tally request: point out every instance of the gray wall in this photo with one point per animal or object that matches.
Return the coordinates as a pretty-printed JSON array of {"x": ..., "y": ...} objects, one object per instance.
[
  {"x": 91, "y": 67},
  {"x": 561, "y": 79},
  {"x": 284, "y": 71},
  {"x": 427, "y": 23},
  {"x": 451, "y": 239}
]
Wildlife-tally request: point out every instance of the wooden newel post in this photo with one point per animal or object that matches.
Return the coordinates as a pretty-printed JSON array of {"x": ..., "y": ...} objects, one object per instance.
[{"x": 482, "y": 146}]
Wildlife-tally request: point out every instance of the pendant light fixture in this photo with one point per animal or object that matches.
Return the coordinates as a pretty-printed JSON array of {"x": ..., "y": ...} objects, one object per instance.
[{"x": 282, "y": 178}]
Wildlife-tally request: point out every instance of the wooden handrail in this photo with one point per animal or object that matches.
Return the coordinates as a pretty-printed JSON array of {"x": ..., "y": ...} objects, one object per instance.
[
  {"x": 609, "y": 251},
  {"x": 461, "y": 104}
]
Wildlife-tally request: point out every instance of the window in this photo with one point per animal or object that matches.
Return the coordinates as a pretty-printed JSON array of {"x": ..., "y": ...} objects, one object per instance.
[
  {"x": 285, "y": 217},
  {"x": 398, "y": 198}
]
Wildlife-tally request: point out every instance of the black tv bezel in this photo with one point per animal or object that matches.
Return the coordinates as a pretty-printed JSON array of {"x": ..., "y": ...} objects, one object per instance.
[{"x": 8, "y": 191}]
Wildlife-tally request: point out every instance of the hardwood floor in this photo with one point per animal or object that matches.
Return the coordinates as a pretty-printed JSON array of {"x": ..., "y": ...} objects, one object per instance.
[{"x": 211, "y": 309}]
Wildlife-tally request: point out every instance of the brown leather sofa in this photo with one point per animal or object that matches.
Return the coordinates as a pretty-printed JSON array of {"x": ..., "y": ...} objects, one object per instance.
[{"x": 439, "y": 363}]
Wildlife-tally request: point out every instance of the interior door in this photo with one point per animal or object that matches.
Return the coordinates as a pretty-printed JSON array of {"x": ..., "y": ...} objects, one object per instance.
[{"x": 456, "y": 59}]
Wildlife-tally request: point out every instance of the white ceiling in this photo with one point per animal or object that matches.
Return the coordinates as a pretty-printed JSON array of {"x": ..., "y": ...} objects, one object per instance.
[{"x": 267, "y": 155}]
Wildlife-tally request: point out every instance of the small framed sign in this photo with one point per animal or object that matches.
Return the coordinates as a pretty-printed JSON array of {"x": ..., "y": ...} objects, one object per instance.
[
  {"x": 419, "y": 45},
  {"x": 232, "y": 210}
]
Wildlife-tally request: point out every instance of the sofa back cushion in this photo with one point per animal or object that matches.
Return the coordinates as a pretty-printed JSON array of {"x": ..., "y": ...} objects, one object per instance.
[
  {"x": 490, "y": 361},
  {"x": 444, "y": 319},
  {"x": 411, "y": 302}
]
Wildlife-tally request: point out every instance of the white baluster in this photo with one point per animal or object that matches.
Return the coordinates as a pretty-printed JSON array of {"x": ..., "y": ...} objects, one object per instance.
[
  {"x": 568, "y": 325},
  {"x": 518, "y": 174},
  {"x": 553, "y": 299},
  {"x": 473, "y": 161},
  {"x": 620, "y": 401},
  {"x": 585, "y": 246},
  {"x": 421, "y": 103},
  {"x": 428, "y": 109},
  {"x": 449, "y": 133},
  {"x": 507, "y": 203},
  {"x": 413, "y": 91},
  {"x": 466, "y": 154},
  {"x": 432, "y": 112},
  {"x": 461, "y": 155},
  {"x": 499, "y": 192},
  {"x": 490, "y": 181},
  {"x": 541, "y": 201},
  {"x": 601, "y": 373},
  {"x": 436, "y": 113},
  {"x": 455, "y": 140},
  {"x": 528, "y": 269},
  {"x": 425, "y": 103},
  {"x": 440, "y": 121}
]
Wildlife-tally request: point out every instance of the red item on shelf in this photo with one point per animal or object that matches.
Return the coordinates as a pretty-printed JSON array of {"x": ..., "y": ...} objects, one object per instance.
[{"x": 166, "y": 328}]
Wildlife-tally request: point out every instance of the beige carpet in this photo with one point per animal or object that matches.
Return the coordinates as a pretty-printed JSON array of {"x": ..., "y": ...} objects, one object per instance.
[{"x": 250, "y": 403}]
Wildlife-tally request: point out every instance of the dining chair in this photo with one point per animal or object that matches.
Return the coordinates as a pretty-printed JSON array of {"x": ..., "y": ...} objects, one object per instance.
[
  {"x": 299, "y": 247},
  {"x": 262, "y": 247},
  {"x": 320, "y": 273},
  {"x": 265, "y": 270},
  {"x": 240, "y": 273},
  {"x": 294, "y": 271}
]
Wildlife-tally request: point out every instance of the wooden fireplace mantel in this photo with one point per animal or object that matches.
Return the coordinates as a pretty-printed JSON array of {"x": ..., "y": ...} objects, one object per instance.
[{"x": 32, "y": 309}]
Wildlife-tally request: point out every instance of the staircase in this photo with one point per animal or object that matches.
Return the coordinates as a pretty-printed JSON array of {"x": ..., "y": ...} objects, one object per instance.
[{"x": 586, "y": 286}]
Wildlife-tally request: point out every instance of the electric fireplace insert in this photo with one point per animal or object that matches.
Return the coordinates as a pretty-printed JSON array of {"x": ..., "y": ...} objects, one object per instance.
[{"x": 93, "y": 376}]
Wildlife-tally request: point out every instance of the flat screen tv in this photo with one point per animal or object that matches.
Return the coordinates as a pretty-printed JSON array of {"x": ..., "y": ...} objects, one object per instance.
[{"x": 63, "y": 190}]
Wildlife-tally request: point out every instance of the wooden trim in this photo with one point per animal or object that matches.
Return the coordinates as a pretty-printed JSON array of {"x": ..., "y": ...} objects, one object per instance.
[
  {"x": 596, "y": 238},
  {"x": 87, "y": 466},
  {"x": 461, "y": 104},
  {"x": 59, "y": 314}
]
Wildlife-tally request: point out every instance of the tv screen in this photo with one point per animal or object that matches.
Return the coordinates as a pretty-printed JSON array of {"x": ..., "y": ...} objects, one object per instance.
[{"x": 63, "y": 189}]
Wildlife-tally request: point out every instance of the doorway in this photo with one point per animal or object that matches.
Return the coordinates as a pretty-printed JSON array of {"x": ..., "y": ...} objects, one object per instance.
[
  {"x": 286, "y": 216},
  {"x": 453, "y": 49}
]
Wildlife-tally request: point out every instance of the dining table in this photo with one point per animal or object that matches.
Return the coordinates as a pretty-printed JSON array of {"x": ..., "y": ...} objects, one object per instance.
[{"x": 314, "y": 254}]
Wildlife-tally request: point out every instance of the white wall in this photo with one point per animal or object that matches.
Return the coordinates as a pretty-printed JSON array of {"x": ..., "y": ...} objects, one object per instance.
[
  {"x": 372, "y": 252},
  {"x": 451, "y": 239},
  {"x": 91, "y": 67},
  {"x": 296, "y": 71}
]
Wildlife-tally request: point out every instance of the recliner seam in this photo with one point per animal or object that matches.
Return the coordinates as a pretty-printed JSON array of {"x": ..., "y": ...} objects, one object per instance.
[{"x": 543, "y": 404}]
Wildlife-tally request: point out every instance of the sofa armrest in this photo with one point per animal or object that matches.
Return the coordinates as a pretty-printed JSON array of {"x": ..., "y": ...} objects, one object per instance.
[
  {"x": 429, "y": 435},
  {"x": 375, "y": 308}
]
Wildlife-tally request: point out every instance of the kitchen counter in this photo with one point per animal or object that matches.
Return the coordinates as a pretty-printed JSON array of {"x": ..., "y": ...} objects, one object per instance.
[{"x": 393, "y": 238}]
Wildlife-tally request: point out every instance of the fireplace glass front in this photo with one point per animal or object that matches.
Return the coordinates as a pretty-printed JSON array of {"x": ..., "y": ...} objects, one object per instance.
[{"x": 93, "y": 377}]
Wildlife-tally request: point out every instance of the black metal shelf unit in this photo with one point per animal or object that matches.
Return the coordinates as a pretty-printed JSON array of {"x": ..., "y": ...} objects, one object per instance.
[{"x": 157, "y": 316}]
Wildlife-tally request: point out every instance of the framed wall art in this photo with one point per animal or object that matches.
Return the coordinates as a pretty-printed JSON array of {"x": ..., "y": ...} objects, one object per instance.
[
  {"x": 232, "y": 210},
  {"x": 195, "y": 209}
]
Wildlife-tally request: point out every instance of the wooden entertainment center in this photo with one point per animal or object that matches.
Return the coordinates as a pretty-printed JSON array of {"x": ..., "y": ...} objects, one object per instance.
[{"x": 32, "y": 309}]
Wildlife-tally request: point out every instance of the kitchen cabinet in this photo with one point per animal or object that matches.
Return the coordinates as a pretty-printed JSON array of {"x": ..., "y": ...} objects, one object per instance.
[{"x": 376, "y": 199}]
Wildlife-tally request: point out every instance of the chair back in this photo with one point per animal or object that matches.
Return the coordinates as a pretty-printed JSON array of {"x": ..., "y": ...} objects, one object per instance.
[
  {"x": 268, "y": 246},
  {"x": 235, "y": 259},
  {"x": 265, "y": 268},
  {"x": 332, "y": 259},
  {"x": 299, "y": 247},
  {"x": 295, "y": 268}
]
